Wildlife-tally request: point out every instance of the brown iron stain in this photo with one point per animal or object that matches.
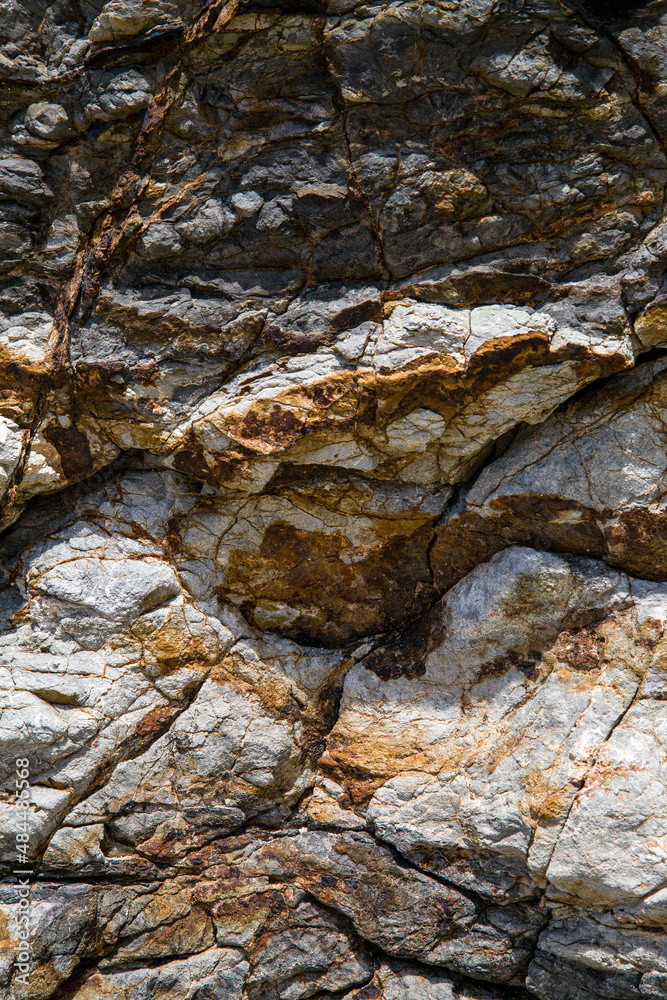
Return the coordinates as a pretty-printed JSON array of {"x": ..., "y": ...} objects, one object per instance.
[
  {"x": 636, "y": 541},
  {"x": 297, "y": 342},
  {"x": 73, "y": 449},
  {"x": 158, "y": 325},
  {"x": 582, "y": 649},
  {"x": 527, "y": 663},
  {"x": 404, "y": 655},
  {"x": 370, "y": 992},
  {"x": 268, "y": 427},
  {"x": 191, "y": 461},
  {"x": 335, "y": 597},
  {"x": 535, "y": 520},
  {"x": 480, "y": 287},
  {"x": 348, "y": 401},
  {"x": 153, "y": 722},
  {"x": 546, "y": 804}
]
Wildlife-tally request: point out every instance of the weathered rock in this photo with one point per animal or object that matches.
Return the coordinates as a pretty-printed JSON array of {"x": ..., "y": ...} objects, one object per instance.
[
  {"x": 333, "y": 568},
  {"x": 589, "y": 480},
  {"x": 538, "y": 675},
  {"x": 587, "y": 956}
]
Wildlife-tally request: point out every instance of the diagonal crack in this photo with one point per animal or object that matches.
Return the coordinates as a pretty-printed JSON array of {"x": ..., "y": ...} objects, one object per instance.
[
  {"x": 108, "y": 232},
  {"x": 355, "y": 182}
]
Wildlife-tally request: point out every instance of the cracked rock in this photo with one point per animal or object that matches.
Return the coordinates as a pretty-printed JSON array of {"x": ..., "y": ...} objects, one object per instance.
[{"x": 333, "y": 517}]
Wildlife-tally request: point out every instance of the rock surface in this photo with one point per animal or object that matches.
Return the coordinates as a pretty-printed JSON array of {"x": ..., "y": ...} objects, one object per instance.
[{"x": 333, "y": 499}]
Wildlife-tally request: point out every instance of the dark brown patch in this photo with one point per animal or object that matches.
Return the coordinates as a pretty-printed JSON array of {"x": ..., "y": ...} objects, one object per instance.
[
  {"x": 461, "y": 544},
  {"x": 353, "y": 316},
  {"x": 476, "y": 287},
  {"x": 370, "y": 992},
  {"x": 293, "y": 341},
  {"x": 502, "y": 354},
  {"x": 526, "y": 663},
  {"x": 636, "y": 541},
  {"x": 404, "y": 655},
  {"x": 336, "y": 599},
  {"x": 73, "y": 448},
  {"x": 157, "y": 326},
  {"x": 535, "y": 520},
  {"x": 582, "y": 649},
  {"x": 269, "y": 427},
  {"x": 146, "y": 373},
  {"x": 172, "y": 535},
  {"x": 100, "y": 379},
  {"x": 549, "y": 522},
  {"x": 191, "y": 461}
]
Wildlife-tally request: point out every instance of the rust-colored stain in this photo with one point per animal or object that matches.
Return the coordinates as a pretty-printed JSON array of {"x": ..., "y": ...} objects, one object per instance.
[{"x": 72, "y": 447}]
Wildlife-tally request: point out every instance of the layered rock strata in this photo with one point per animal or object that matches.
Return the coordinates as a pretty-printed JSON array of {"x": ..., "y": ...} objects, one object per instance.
[{"x": 333, "y": 444}]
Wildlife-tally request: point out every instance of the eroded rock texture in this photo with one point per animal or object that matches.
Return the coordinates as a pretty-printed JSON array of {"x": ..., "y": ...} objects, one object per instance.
[{"x": 333, "y": 444}]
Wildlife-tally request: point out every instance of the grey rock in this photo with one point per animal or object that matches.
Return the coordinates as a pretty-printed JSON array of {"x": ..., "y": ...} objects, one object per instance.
[
  {"x": 48, "y": 121},
  {"x": 333, "y": 552}
]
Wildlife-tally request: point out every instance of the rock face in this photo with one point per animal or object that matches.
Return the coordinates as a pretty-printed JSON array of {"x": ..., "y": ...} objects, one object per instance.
[{"x": 333, "y": 476}]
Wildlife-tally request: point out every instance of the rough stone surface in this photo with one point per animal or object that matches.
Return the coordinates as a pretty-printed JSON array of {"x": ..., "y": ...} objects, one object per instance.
[{"x": 333, "y": 499}]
